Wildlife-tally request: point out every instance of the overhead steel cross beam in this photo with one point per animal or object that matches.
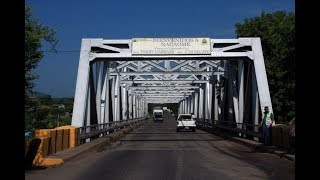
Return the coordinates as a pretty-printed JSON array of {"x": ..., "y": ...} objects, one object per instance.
[
  {"x": 168, "y": 73},
  {"x": 163, "y": 99},
  {"x": 189, "y": 68},
  {"x": 165, "y": 81},
  {"x": 145, "y": 65},
  {"x": 162, "y": 102},
  {"x": 173, "y": 87},
  {"x": 177, "y": 91},
  {"x": 162, "y": 91},
  {"x": 161, "y": 77},
  {"x": 163, "y": 95},
  {"x": 125, "y": 53}
]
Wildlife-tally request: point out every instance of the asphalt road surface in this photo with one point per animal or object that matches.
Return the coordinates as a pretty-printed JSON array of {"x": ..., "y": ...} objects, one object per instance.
[{"x": 157, "y": 151}]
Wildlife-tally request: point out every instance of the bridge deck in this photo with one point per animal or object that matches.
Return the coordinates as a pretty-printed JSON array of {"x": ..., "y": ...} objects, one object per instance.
[{"x": 157, "y": 151}]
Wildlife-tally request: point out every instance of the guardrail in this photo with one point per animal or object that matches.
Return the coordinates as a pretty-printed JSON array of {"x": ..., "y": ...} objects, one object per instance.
[
  {"x": 244, "y": 128},
  {"x": 94, "y": 131}
]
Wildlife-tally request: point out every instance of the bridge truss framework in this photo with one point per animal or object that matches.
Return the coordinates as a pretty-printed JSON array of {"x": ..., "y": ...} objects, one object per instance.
[{"x": 113, "y": 84}]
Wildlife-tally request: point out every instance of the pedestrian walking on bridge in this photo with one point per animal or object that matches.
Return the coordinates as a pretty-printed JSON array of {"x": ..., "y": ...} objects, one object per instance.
[{"x": 266, "y": 124}]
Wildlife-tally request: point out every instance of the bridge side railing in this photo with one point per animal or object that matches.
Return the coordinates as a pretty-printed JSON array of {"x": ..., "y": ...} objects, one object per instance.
[
  {"x": 244, "y": 128},
  {"x": 94, "y": 131}
]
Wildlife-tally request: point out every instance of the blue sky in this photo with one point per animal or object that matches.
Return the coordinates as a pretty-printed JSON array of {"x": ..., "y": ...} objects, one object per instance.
[{"x": 126, "y": 19}]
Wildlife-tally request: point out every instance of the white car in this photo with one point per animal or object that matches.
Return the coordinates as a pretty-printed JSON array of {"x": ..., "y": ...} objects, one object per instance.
[{"x": 186, "y": 121}]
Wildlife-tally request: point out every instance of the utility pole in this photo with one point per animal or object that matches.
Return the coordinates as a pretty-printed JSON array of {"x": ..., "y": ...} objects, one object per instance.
[{"x": 58, "y": 119}]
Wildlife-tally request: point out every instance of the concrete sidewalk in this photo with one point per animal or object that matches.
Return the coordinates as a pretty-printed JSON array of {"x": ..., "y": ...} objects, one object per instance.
[
  {"x": 254, "y": 145},
  {"x": 260, "y": 147}
]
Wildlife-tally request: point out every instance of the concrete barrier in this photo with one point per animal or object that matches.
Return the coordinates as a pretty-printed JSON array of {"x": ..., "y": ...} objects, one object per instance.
[
  {"x": 62, "y": 156},
  {"x": 285, "y": 137},
  {"x": 42, "y": 151},
  {"x": 32, "y": 152},
  {"x": 276, "y": 134},
  {"x": 73, "y": 134},
  {"x": 51, "y": 162},
  {"x": 280, "y": 135}
]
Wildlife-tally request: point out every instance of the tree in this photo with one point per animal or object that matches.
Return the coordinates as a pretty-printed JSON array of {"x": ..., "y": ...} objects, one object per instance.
[
  {"x": 171, "y": 106},
  {"x": 277, "y": 33},
  {"x": 36, "y": 35}
]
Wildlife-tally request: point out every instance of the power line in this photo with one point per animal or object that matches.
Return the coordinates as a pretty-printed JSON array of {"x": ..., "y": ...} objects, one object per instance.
[{"x": 66, "y": 51}]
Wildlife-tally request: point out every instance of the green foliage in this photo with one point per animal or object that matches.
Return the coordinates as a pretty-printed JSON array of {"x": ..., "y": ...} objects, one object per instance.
[
  {"x": 68, "y": 102},
  {"x": 41, "y": 114},
  {"x": 36, "y": 116},
  {"x": 171, "y": 106},
  {"x": 277, "y": 33},
  {"x": 35, "y": 34}
]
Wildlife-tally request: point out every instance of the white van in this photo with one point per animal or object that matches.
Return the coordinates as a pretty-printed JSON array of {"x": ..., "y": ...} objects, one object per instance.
[{"x": 186, "y": 121}]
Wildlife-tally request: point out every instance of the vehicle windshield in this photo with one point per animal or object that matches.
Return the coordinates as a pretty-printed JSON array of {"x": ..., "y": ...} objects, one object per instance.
[
  {"x": 158, "y": 116},
  {"x": 158, "y": 113},
  {"x": 185, "y": 117}
]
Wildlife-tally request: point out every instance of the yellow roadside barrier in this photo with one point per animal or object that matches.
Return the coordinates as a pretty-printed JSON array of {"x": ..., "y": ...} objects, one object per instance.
[{"x": 50, "y": 141}]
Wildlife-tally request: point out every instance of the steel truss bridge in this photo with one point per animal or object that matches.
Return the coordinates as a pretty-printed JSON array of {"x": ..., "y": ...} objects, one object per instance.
[{"x": 228, "y": 85}]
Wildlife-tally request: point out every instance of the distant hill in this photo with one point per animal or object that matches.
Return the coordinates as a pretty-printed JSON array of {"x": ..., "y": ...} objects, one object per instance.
[
  {"x": 62, "y": 99},
  {"x": 65, "y": 101},
  {"x": 40, "y": 95}
]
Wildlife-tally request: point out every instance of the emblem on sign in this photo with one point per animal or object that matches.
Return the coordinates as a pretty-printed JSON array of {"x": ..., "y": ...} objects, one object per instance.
[{"x": 204, "y": 41}]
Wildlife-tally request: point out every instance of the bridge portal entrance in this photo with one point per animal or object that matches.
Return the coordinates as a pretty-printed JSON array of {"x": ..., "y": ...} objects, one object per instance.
[{"x": 216, "y": 79}]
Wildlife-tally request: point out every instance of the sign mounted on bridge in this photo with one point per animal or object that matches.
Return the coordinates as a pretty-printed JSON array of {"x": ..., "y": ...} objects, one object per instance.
[{"x": 163, "y": 46}]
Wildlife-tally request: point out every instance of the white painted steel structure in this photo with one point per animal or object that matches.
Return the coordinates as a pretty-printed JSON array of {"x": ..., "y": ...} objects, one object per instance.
[{"x": 113, "y": 84}]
